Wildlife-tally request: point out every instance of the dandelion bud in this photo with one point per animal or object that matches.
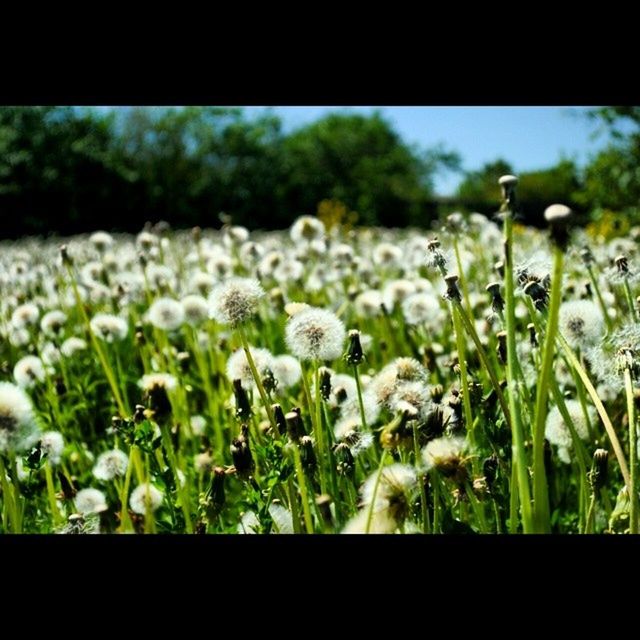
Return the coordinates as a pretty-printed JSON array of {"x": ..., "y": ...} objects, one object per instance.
[
  {"x": 455, "y": 427},
  {"x": 453, "y": 292},
  {"x": 599, "y": 469},
  {"x": 490, "y": 470},
  {"x": 196, "y": 234},
  {"x": 269, "y": 381},
  {"x": 139, "y": 415},
  {"x": 142, "y": 259},
  {"x": 433, "y": 244},
  {"x": 532, "y": 334},
  {"x": 559, "y": 218},
  {"x": 622, "y": 264},
  {"x": 241, "y": 453},
  {"x": 508, "y": 185},
  {"x": 294, "y": 425},
  {"x": 64, "y": 255},
  {"x": 537, "y": 293},
  {"x": 501, "y": 349},
  {"x": 279, "y": 417},
  {"x": 243, "y": 407},
  {"x": 325, "y": 383},
  {"x": 184, "y": 359},
  {"x": 215, "y": 497},
  {"x": 140, "y": 339},
  {"x": 277, "y": 298},
  {"x": 437, "y": 392},
  {"x": 307, "y": 454},
  {"x": 499, "y": 267},
  {"x": 345, "y": 464},
  {"x": 354, "y": 355},
  {"x": 497, "y": 302}
]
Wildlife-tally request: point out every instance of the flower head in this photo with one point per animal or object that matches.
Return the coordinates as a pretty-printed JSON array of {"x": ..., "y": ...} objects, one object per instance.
[
  {"x": 90, "y": 501},
  {"x": 109, "y": 328},
  {"x": 145, "y": 497},
  {"x": 18, "y": 426},
  {"x": 166, "y": 314},
  {"x": 581, "y": 322},
  {"x": 110, "y": 465},
  {"x": 235, "y": 300},
  {"x": 52, "y": 443},
  {"x": 315, "y": 334},
  {"x": 28, "y": 371}
]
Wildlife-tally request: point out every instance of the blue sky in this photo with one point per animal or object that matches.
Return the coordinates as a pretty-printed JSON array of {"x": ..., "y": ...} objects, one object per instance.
[{"x": 528, "y": 137}]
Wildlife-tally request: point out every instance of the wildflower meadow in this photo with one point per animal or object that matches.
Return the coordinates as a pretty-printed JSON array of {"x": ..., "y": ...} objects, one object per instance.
[{"x": 478, "y": 377}]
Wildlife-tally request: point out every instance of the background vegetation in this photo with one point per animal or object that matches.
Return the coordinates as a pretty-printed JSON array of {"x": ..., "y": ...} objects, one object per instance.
[{"x": 68, "y": 170}]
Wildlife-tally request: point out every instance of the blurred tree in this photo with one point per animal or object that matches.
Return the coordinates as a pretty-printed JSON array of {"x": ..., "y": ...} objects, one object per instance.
[
  {"x": 536, "y": 189},
  {"x": 361, "y": 161},
  {"x": 612, "y": 178}
]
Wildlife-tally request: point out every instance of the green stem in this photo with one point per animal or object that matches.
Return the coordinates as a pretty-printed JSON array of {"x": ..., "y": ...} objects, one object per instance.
[
  {"x": 611, "y": 433},
  {"x": 518, "y": 450},
  {"x": 383, "y": 459},
  {"x": 633, "y": 452},
  {"x": 308, "y": 523},
  {"x": 540, "y": 490}
]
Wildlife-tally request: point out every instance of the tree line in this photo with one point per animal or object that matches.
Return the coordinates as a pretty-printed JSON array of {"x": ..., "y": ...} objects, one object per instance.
[{"x": 67, "y": 170}]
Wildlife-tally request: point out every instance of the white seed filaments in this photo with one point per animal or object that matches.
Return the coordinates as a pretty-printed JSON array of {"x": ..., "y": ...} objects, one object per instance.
[
  {"x": 18, "y": 426},
  {"x": 315, "y": 334},
  {"x": 235, "y": 300}
]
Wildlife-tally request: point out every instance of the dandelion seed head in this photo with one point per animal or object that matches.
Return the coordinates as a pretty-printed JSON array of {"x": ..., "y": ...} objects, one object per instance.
[
  {"x": 444, "y": 454},
  {"x": 421, "y": 308},
  {"x": 396, "y": 292},
  {"x": 25, "y": 315},
  {"x": 315, "y": 334},
  {"x": 233, "y": 236},
  {"x": 109, "y": 328},
  {"x": 581, "y": 323},
  {"x": 287, "y": 371},
  {"x": 29, "y": 371},
  {"x": 18, "y": 425},
  {"x": 52, "y": 443},
  {"x": 90, "y": 501},
  {"x": 145, "y": 497},
  {"x": 368, "y": 303},
  {"x": 110, "y": 465},
  {"x": 381, "y": 522},
  {"x": 558, "y": 433},
  {"x": 101, "y": 240},
  {"x": 166, "y": 314},
  {"x": 397, "y": 482},
  {"x": 386, "y": 254},
  {"x": 52, "y": 323},
  {"x": 235, "y": 300},
  {"x": 198, "y": 425},
  {"x": 306, "y": 229},
  {"x": 196, "y": 309},
  {"x": 238, "y": 366},
  {"x": 72, "y": 346}
]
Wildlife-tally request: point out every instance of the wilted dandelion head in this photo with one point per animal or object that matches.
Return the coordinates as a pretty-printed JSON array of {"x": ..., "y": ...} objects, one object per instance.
[
  {"x": 110, "y": 465},
  {"x": 109, "y": 328},
  {"x": 18, "y": 426},
  {"x": 90, "y": 501},
  {"x": 447, "y": 455},
  {"x": 166, "y": 314},
  {"x": 28, "y": 371},
  {"x": 235, "y": 300},
  {"x": 557, "y": 432},
  {"x": 287, "y": 371},
  {"x": 238, "y": 366},
  {"x": 581, "y": 323},
  {"x": 307, "y": 229},
  {"x": 145, "y": 498},
  {"x": 72, "y": 345},
  {"x": 315, "y": 334},
  {"x": 196, "y": 309},
  {"x": 349, "y": 430},
  {"x": 52, "y": 323},
  {"x": 52, "y": 444}
]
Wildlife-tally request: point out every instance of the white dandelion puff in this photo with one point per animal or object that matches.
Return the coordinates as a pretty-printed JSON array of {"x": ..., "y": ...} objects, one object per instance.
[
  {"x": 52, "y": 444},
  {"x": 111, "y": 464},
  {"x": 238, "y": 366},
  {"x": 315, "y": 334},
  {"x": 196, "y": 309},
  {"x": 581, "y": 323},
  {"x": 52, "y": 323},
  {"x": 287, "y": 371},
  {"x": 90, "y": 501},
  {"x": 72, "y": 346},
  {"x": 18, "y": 425},
  {"x": 166, "y": 314},
  {"x": 306, "y": 229},
  {"x": 29, "y": 371},
  {"x": 145, "y": 497},
  {"x": 109, "y": 328},
  {"x": 235, "y": 300}
]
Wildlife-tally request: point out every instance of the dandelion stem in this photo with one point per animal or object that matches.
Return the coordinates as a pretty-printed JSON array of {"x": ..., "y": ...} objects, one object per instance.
[
  {"x": 518, "y": 450},
  {"x": 603, "y": 306},
  {"x": 308, "y": 523},
  {"x": 383, "y": 460},
  {"x": 633, "y": 452},
  {"x": 602, "y": 412},
  {"x": 540, "y": 489}
]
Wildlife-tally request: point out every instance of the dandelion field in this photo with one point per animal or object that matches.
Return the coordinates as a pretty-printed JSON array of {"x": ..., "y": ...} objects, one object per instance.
[{"x": 478, "y": 377}]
